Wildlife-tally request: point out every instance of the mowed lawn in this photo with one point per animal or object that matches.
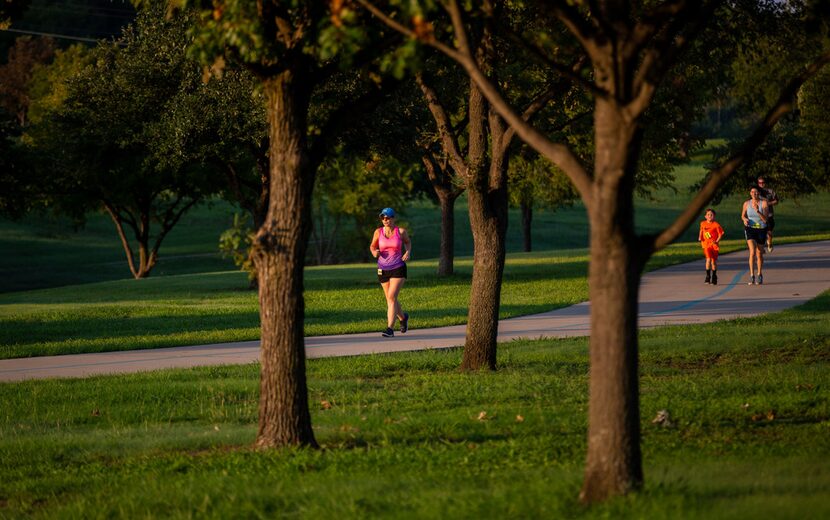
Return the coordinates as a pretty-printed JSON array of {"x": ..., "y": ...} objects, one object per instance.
[
  {"x": 409, "y": 436},
  {"x": 195, "y": 297},
  {"x": 217, "y": 307}
]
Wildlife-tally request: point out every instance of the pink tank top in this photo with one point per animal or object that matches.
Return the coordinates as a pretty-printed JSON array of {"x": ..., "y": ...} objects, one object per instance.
[{"x": 391, "y": 250}]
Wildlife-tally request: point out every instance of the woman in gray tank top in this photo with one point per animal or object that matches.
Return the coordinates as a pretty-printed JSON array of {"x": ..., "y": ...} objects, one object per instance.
[{"x": 755, "y": 213}]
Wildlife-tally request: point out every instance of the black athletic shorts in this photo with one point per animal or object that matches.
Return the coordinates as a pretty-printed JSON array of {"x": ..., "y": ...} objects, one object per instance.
[
  {"x": 384, "y": 275},
  {"x": 759, "y": 235},
  {"x": 770, "y": 223}
]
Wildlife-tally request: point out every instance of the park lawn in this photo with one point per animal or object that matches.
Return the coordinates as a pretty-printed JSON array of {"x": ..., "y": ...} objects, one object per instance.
[
  {"x": 216, "y": 307},
  {"x": 408, "y": 435},
  {"x": 43, "y": 251}
]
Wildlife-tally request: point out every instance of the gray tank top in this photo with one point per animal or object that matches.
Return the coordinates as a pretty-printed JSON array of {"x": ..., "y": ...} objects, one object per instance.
[{"x": 753, "y": 217}]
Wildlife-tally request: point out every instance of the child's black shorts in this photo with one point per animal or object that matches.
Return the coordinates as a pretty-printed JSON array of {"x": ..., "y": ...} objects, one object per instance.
[{"x": 384, "y": 275}]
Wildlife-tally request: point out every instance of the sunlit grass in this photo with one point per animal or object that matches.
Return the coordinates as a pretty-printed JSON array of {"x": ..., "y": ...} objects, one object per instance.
[
  {"x": 217, "y": 307},
  {"x": 404, "y": 435}
]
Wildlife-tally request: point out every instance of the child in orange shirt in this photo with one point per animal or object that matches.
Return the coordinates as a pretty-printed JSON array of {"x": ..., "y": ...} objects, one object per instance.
[{"x": 709, "y": 237}]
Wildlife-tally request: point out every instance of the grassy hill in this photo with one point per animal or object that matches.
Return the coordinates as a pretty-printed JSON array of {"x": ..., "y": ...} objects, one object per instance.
[{"x": 42, "y": 252}]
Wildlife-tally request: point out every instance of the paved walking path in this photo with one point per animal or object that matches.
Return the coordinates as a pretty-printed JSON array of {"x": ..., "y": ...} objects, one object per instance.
[{"x": 674, "y": 295}]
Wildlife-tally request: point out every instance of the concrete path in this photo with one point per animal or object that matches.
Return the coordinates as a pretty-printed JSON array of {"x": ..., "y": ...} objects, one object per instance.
[{"x": 674, "y": 295}]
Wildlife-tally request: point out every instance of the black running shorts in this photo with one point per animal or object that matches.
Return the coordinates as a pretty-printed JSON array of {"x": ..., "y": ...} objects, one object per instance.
[
  {"x": 384, "y": 275},
  {"x": 759, "y": 235},
  {"x": 770, "y": 223}
]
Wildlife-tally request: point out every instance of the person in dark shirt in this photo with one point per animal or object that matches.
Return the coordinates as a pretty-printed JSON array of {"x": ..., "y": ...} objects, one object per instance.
[{"x": 771, "y": 197}]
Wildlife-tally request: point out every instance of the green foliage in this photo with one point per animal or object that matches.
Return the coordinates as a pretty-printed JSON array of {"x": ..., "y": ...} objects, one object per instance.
[
  {"x": 99, "y": 142},
  {"x": 535, "y": 180},
  {"x": 176, "y": 443},
  {"x": 349, "y": 193},
  {"x": 235, "y": 24},
  {"x": 27, "y": 53},
  {"x": 12, "y": 176},
  {"x": 774, "y": 45},
  {"x": 235, "y": 243},
  {"x": 814, "y": 129},
  {"x": 48, "y": 88}
]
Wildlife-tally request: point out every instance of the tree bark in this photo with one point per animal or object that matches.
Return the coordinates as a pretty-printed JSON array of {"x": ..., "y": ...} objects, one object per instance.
[
  {"x": 613, "y": 464},
  {"x": 527, "y": 221},
  {"x": 488, "y": 221},
  {"x": 279, "y": 253},
  {"x": 446, "y": 201},
  {"x": 487, "y": 200}
]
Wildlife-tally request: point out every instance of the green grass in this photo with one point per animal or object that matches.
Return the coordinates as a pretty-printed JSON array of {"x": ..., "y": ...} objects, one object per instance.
[
  {"x": 217, "y": 307},
  {"x": 43, "y": 252},
  {"x": 403, "y": 437},
  {"x": 195, "y": 297}
]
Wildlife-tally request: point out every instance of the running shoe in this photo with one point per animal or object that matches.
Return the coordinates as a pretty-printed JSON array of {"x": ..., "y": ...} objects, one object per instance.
[
  {"x": 751, "y": 280},
  {"x": 714, "y": 279},
  {"x": 760, "y": 279},
  {"x": 405, "y": 323},
  {"x": 388, "y": 333},
  {"x": 708, "y": 280}
]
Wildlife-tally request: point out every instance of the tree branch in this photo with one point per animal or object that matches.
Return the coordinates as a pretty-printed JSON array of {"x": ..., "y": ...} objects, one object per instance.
[
  {"x": 442, "y": 121},
  {"x": 123, "y": 236},
  {"x": 569, "y": 72},
  {"x": 343, "y": 116},
  {"x": 718, "y": 176},
  {"x": 666, "y": 46},
  {"x": 170, "y": 220},
  {"x": 557, "y": 153}
]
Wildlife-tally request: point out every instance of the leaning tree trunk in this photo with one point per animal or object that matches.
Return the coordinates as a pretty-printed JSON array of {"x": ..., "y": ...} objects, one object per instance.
[
  {"x": 279, "y": 253},
  {"x": 614, "y": 464}
]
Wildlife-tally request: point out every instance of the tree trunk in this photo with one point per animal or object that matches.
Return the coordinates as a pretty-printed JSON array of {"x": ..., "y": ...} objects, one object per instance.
[
  {"x": 527, "y": 220},
  {"x": 613, "y": 464},
  {"x": 488, "y": 221},
  {"x": 487, "y": 200},
  {"x": 146, "y": 258},
  {"x": 446, "y": 199},
  {"x": 279, "y": 253}
]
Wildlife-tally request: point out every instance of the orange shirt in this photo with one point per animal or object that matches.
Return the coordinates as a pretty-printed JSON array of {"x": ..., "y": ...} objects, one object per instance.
[{"x": 710, "y": 233}]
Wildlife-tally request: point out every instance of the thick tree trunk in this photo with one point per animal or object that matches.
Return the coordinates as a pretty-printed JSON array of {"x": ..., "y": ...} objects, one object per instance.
[
  {"x": 279, "y": 253},
  {"x": 488, "y": 221},
  {"x": 446, "y": 200},
  {"x": 527, "y": 221},
  {"x": 613, "y": 464}
]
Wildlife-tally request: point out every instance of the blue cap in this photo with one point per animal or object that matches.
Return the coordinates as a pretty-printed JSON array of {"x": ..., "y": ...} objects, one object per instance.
[{"x": 387, "y": 212}]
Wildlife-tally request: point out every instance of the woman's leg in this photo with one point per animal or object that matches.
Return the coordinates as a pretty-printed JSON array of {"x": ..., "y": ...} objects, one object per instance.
[
  {"x": 759, "y": 255},
  {"x": 752, "y": 247},
  {"x": 393, "y": 307}
]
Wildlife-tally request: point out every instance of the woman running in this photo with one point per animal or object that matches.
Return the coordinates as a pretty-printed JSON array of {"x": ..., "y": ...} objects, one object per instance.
[
  {"x": 755, "y": 214},
  {"x": 387, "y": 245}
]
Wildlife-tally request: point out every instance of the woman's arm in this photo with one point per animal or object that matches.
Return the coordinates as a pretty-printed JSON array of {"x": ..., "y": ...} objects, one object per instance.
[
  {"x": 373, "y": 247},
  {"x": 407, "y": 245},
  {"x": 743, "y": 214}
]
